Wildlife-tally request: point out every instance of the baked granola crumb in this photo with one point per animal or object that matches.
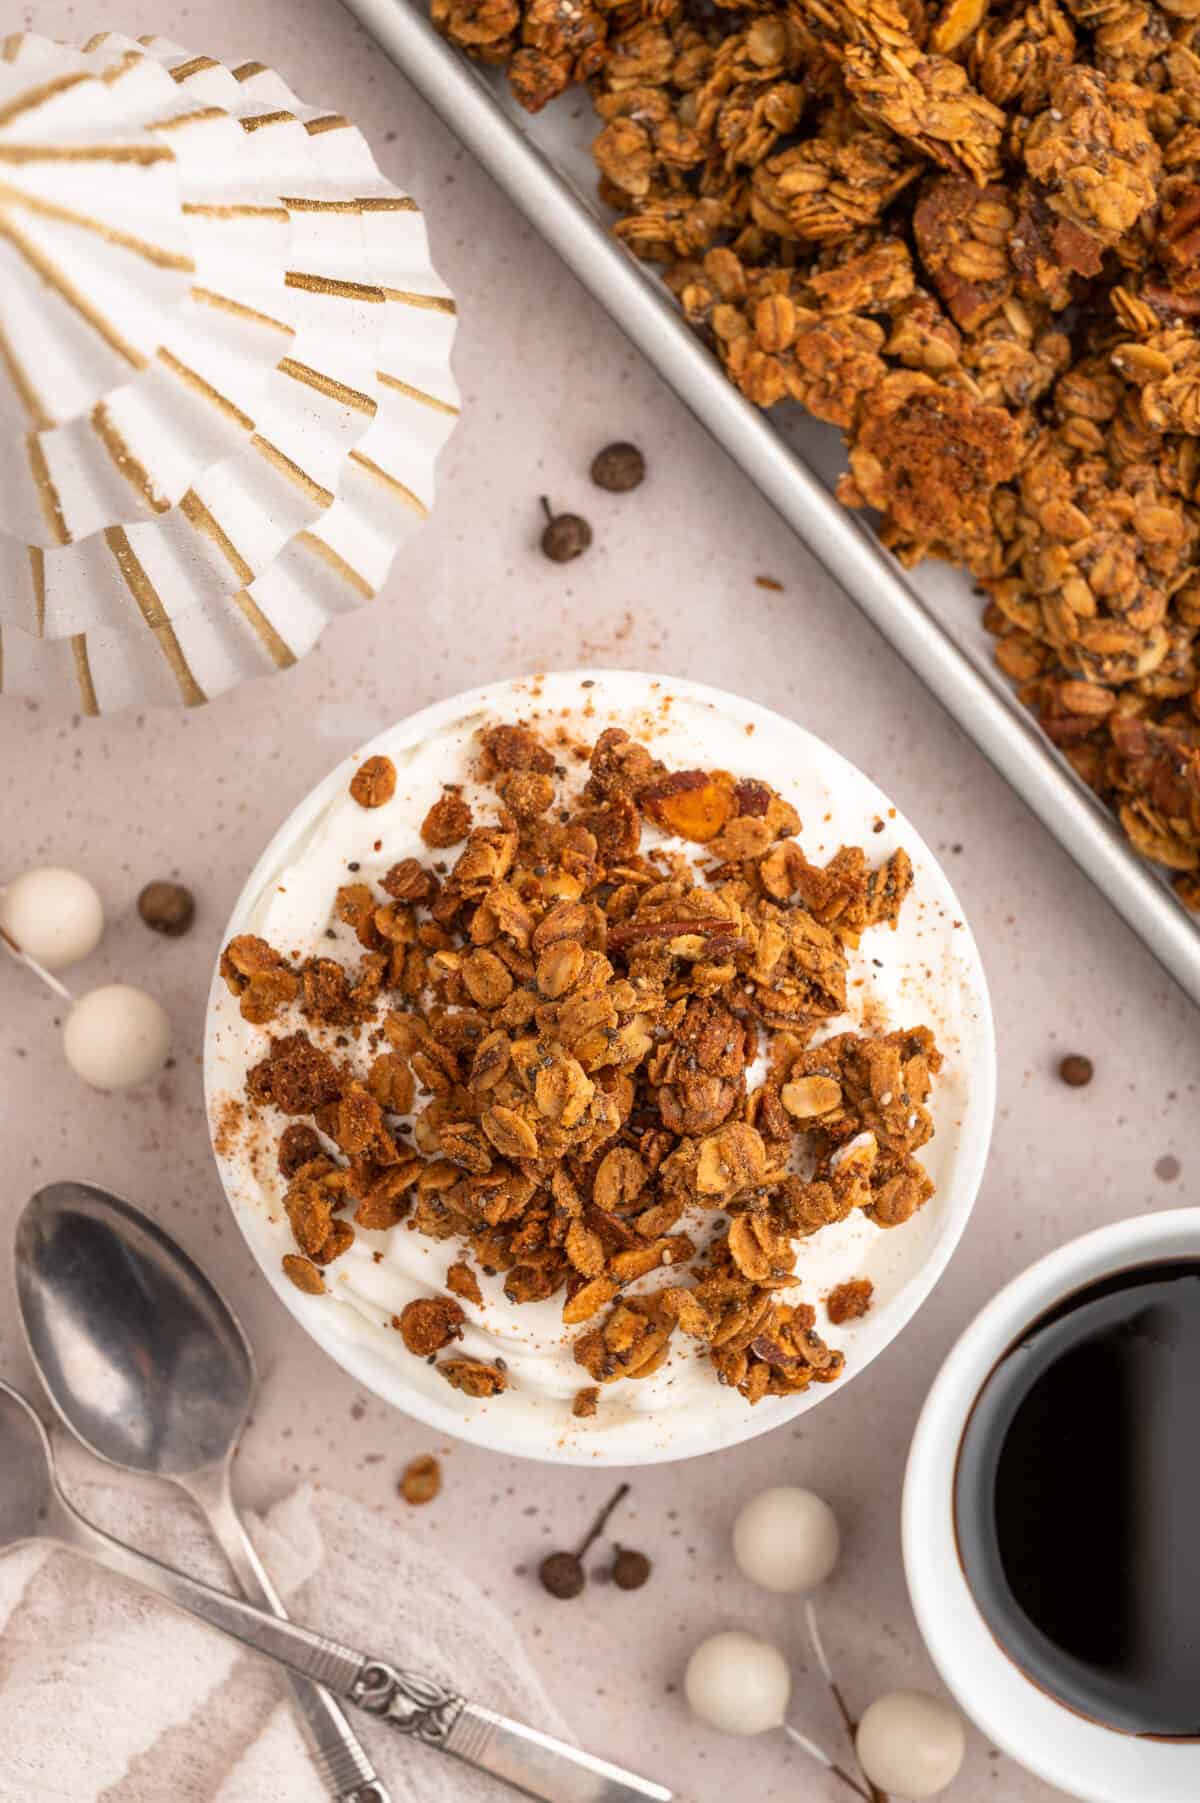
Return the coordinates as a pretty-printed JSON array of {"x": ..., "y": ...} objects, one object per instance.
[
  {"x": 259, "y": 976},
  {"x": 474, "y": 1377},
  {"x": 462, "y": 1281},
  {"x": 430, "y": 1323},
  {"x": 613, "y": 1065},
  {"x": 422, "y": 1480},
  {"x": 447, "y": 822},
  {"x": 849, "y": 1301},
  {"x": 968, "y": 237}
]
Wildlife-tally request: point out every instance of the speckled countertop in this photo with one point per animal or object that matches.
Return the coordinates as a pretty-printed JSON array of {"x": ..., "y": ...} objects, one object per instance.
[{"x": 669, "y": 585}]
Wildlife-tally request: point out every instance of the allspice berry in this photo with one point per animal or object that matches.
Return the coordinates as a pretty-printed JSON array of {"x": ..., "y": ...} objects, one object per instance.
[
  {"x": 565, "y": 536},
  {"x": 618, "y": 468},
  {"x": 168, "y": 908},
  {"x": 562, "y": 1575},
  {"x": 1076, "y": 1070},
  {"x": 630, "y": 1569}
]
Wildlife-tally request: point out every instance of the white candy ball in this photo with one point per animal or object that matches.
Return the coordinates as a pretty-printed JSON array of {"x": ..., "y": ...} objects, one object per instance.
[
  {"x": 738, "y": 1684},
  {"x": 116, "y": 1036},
  {"x": 54, "y": 915},
  {"x": 786, "y": 1539},
  {"x": 910, "y": 1744}
]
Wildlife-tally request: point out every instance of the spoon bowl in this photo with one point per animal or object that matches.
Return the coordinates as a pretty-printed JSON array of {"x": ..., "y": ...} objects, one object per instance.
[
  {"x": 27, "y": 1493},
  {"x": 141, "y": 1357},
  {"x": 147, "y": 1365}
]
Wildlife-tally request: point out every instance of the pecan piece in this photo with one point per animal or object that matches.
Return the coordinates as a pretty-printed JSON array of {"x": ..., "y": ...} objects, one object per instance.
[{"x": 374, "y": 782}]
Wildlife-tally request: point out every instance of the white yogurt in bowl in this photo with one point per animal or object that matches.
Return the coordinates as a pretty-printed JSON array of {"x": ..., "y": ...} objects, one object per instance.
[{"x": 927, "y": 971}]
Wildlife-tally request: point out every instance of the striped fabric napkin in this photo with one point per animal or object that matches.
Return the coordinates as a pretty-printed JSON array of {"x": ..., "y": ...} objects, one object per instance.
[{"x": 109, "y": 1696}]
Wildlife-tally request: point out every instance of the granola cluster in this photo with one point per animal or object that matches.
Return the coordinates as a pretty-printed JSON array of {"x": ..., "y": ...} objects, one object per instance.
[
  {"x": 967, "y": 235},
  {"x": 602, "y": 1068}
]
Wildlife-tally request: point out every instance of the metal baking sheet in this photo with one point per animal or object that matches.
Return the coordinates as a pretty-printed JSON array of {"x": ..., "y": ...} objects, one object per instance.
[{"x": 930, "y": 617}]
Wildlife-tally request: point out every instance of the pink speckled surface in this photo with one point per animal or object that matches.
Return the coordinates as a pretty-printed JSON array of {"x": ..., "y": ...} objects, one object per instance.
[{"x": 669, "y": 585}]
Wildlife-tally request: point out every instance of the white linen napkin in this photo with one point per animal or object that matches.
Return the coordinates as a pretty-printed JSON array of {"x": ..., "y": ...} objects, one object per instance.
[{"x": 108, "y": 1695}]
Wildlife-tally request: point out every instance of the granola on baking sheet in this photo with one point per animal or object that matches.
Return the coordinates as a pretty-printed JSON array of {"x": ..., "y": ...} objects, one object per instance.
[
  {"x": 597, "y": 1047},
  {"x": 966, "y": 233}
]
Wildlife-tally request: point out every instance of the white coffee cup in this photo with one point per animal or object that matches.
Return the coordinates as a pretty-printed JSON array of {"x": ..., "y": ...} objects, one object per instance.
[{"x": 1080, "y": 1757}]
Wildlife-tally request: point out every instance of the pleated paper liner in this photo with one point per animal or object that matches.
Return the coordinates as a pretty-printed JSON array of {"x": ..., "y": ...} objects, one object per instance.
[{"x": 224, "y": 371}]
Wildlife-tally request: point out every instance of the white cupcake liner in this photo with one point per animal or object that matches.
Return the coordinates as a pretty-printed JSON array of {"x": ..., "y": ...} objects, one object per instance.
[{"x": 224, "y": 371}]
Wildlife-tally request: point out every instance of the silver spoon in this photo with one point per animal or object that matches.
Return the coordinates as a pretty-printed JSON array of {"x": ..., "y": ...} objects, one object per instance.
[
  {"x": 33, "y": 1507},
  {"x": 147, "y": 1365}
]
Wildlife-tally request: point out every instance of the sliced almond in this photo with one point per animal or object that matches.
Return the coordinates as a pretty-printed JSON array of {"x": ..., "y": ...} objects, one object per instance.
[
  {"x": 806, "y": 1097},
  {"x": 585, "y": 1249},
  {"x": 629, "y": 1266}
]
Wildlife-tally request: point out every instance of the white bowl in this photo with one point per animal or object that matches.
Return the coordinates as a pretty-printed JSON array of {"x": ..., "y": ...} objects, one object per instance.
[
  {"x": 1080, "y": 1757},
  {"x": 928, "y": 970}
]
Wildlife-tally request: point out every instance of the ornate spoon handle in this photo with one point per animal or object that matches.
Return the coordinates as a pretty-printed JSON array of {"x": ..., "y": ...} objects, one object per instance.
[
  {"x": 338, "y": 1754},
  {"x": 530, "y": 1761},
  {"x": 534, "y": 1763}
]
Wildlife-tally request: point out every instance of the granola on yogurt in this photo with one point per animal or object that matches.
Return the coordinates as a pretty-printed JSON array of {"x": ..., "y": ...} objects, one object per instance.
[
  {"x": 600, "y": 1044},
  {"x": 967, "y": 234}
]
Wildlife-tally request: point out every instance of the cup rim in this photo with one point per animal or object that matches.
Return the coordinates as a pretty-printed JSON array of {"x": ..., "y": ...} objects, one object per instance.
[{"x": 1080, "y": 1757}]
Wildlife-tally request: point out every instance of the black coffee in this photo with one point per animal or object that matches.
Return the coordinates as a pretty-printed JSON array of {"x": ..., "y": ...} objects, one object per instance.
[{"x": 1077, "y": 1501}]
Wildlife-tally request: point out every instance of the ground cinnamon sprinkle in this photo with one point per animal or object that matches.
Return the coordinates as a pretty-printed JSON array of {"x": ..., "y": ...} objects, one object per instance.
[
  {"x": 230, "y": 1121},
  {"x": 967, "y": 235},
  {"x": 606, "y": 1044}
]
